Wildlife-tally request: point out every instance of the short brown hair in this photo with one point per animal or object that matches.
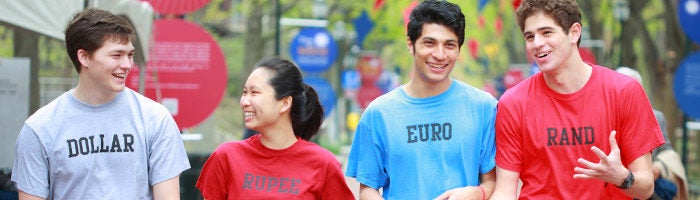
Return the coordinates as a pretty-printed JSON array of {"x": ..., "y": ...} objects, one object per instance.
[
  {"x": 90, "y": 28},
  {"x": 564, "y": 12}
]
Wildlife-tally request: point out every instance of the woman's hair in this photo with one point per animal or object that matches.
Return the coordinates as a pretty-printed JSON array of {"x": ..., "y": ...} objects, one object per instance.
[{"x": 286, "y": 79}]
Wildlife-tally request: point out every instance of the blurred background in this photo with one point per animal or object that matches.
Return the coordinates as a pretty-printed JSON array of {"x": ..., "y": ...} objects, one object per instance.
[{"x": 194, "y": 55}]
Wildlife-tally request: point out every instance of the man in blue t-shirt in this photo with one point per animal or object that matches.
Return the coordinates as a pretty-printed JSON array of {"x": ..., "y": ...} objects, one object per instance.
[{"x": 434, "y": 136}]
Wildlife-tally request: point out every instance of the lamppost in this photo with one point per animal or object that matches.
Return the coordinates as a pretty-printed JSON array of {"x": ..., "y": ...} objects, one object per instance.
[
  {"x": 319, "y": 11},
  {"x": 621, "y": 12},
  {"x": 278, "y": 15}
]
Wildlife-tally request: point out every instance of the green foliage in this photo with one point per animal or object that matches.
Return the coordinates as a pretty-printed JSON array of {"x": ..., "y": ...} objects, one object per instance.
[
  {"x": 6, "y": 42},
  {"x": 53, "y": 59}
]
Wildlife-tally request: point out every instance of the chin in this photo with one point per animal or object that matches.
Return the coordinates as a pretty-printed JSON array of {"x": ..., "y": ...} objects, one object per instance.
[{"x": 118, "y": 88}]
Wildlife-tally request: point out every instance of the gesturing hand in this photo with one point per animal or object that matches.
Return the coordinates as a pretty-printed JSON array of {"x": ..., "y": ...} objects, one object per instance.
[{"x": 608, "y": 169}]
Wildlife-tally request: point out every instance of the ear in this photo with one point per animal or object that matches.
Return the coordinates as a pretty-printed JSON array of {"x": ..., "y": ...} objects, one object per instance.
[
  {"x": 410, "y": 45},
  {"x": 575, "y": 32},
  {"x": 286, "y": 104},
  {"x": 83, "y": 57}
]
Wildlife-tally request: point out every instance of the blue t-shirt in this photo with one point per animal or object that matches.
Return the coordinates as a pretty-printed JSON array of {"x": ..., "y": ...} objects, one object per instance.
[{"x": 418, "y": 148}]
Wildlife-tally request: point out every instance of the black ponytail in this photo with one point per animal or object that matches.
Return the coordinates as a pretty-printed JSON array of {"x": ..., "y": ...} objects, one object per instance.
[
  {"x": 306, "y": 111},
  {"x": 310, "y": 114}
]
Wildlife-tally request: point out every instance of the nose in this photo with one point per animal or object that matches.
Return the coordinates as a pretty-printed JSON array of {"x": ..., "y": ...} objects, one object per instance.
[
  {"x": 538, "y": 41},
  {"x": 127, "y": 62},
  {"x": 440, "y": 52},
  {"x": 244, "y": 101}
]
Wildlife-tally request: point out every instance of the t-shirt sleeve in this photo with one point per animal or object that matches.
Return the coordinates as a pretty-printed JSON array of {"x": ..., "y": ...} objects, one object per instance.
[
  {"x": 639, "y": 132},
  {"x": 167, "y": 155},
  {"x": 212, "y": 179},
  {"x": 30, "y": 170},
  {"x": 508, "y": 153},
  {"x": 335, "y": 186},
  {"x": 366, "y": 160},
  {"x": 488, "y": 153}
]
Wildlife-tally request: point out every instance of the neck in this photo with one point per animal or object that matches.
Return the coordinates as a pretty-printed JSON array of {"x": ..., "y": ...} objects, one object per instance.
[
  {"x": 420, "y": 89},
  {"x": 91, "y": 95},
  {"x": 567, "y": 80},
  {"x": 278, "y": 139}
]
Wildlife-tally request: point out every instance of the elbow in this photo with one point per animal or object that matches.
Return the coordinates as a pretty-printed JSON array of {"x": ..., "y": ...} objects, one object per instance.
[
  {"x": 646, "y": 192},
  {"x": 645, "y": 195}
]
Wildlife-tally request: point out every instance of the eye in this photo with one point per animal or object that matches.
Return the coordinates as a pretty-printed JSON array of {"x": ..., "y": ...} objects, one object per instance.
[
  {"x": 451, "y": 45},
  {"x": 547, "y": 33}
]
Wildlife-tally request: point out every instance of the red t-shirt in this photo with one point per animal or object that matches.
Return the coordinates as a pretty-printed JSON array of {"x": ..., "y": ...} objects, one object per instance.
[
  {"x": 248, "y": 170},
  {"x": 541, "y": 133}
]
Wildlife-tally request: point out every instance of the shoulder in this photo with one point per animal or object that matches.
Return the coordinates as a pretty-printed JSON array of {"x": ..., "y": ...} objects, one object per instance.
[
  {"x": 387, "y": 98},
  {"x": 612, "y": 80},
  {"x": 320, "y": 153},
  {"x": 49, "y": 111},
  {"x": 228, "y": 148},
  {"x": 385, "y": 102},
  {"x": 473, "y": 93},
  {"x": 145, "y": 104},
  {"x": 613, "y": 77},
  {"x": 520, "y": 91}
]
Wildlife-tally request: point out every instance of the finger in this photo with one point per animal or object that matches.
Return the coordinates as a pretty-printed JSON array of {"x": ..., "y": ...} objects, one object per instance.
[
  {"x": 599, "y": 153},
  {"x": 613, "y": 141},
  {"x": 586, "y": 163},
  {"x": 584, "y": 171},
  {"x": 582, "y": 176}
]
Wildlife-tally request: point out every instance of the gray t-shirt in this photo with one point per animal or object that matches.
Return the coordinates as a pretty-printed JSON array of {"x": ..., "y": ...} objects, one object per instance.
[{"x": 72, "y": 150}]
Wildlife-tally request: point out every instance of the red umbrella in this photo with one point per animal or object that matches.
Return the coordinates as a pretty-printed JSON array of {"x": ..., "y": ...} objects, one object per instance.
[{"x": 176, "y": 7}]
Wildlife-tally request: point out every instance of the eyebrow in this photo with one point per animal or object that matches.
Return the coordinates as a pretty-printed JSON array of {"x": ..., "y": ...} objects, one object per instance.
[
  {"x": 541, "y": 29},
  {"x": 433, "y": 39},
  {"x": 122, "y": 51}
]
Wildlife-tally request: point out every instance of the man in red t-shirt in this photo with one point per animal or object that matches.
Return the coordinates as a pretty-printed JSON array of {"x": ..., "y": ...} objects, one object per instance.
[{"x": 574, "y": 130}]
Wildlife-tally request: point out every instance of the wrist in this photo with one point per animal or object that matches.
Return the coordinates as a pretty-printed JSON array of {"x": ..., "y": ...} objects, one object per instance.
[
  {"x": 627, "y": 182},
  {"x": 483, "y": 192}
]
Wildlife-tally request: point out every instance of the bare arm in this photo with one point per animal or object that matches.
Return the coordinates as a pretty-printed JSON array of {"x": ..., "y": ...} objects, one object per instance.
[
  {"x": 25, "y": 196},
  {"x": 369, "y": 193},
  {"x": 643, "y": 186},
  {"x": 166, "y": 190},
  {"x": 488, "y": 182},
  {"x": 506, "y": 184},
  {"x": 483, "y": 191},
  {"x": 611, "y": 170}
]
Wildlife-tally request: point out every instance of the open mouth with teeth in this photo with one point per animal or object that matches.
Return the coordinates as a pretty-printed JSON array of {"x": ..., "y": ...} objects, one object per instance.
[
  {"x": 542, "y": 55},
  {"x": 437, "y": 66},
  {"x": 248, "y": 114},
  {"x": 119, "y": 75}
]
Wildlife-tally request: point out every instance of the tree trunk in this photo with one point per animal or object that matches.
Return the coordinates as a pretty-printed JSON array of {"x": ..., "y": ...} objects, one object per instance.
[
  {"x": 595, "y": 26},
  {"x": 26, "y": 45},
  {"x": 254, "y": 37},
  {"x": 676, "y": 42}
]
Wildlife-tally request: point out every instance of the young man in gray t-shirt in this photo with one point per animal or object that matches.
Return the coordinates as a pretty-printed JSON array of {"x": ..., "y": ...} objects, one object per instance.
[{"x": 100, "y": 140}]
